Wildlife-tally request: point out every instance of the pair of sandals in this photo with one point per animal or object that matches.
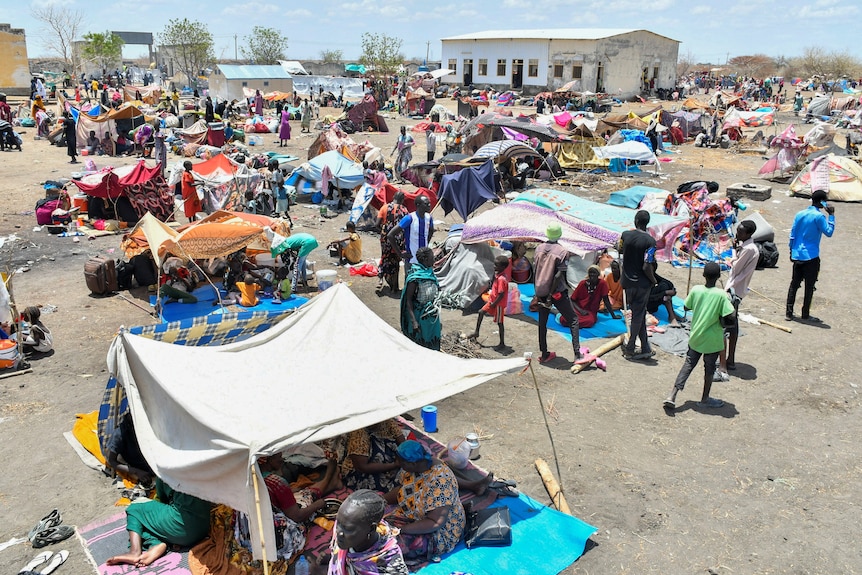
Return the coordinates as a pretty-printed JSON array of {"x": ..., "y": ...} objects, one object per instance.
[
  {"x": 49, "y": 531},
  {"x": 47, "y": 560},
  {"x": 505, "y": 487}
]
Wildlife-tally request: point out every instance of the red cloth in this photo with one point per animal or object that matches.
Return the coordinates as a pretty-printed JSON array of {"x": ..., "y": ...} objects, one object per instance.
[
  {"x": 192, "y": 203},
  {"x": 385, "y": 194},
  {"x": 500, "y": 285},
  {"x": 280, "y": 494},
  {"x": 589, "y": 302}
]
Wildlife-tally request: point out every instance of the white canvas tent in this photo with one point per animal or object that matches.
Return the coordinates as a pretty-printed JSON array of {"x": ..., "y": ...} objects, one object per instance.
[{"x": 204, "y": 414}]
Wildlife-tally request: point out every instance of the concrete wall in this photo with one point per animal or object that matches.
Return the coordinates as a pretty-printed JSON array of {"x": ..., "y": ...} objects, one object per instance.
[
  {"x": 14, "y": 65},
  {"x": 232, "y": 89},
  {"x": 621, "y": 60}
]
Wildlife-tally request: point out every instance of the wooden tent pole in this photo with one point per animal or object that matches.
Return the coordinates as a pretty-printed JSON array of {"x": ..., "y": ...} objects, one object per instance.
[
  {"x": 259, "y": 518},
  {"x": 552, "y": 486}
]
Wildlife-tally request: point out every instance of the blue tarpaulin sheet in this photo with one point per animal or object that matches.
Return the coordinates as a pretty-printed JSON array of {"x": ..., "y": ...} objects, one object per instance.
[{"x": 466, "y": 190}]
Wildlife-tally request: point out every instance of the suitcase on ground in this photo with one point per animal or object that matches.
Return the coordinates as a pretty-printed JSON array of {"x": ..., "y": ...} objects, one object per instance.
[{"x": 101, "y": 275}]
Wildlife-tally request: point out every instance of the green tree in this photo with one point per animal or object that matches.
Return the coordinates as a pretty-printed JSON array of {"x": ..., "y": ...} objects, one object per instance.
[
  {"x": 105, "y": 50},
  {"x": 331, "y": 56},
  {"x": 382, "y": 53},
  {"x": 264, "y": 46},
  {"x": 191, "y": 46}
]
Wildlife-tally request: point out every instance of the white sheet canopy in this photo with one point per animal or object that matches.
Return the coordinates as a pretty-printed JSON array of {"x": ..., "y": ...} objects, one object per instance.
[{"x": 204, "y": 414}]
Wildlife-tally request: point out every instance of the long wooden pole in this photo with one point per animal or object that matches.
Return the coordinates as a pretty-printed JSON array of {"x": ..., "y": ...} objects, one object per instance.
[
  {"x": 783, "y": 328},
  {"x": 259, "y": 520},
  {"x": 552, "y": 486},
  {"x": 600, "y": 351}
]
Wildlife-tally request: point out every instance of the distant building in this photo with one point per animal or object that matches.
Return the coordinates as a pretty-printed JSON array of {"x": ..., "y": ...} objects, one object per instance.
[
  {"x": 14, "y": 65},
  {"x": 228, "y": 80},
  {"x": 617, "y": 61}
]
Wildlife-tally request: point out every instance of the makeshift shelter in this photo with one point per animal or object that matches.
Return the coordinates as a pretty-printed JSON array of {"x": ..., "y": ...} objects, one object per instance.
[
  {"x": 630, "y": 150},
  {"x": 790, "y": 149},
  {"x": 706, "y": 237},
  {"x": 371, "y": 198},
  {"x": 465, "y": 191},
  {"x": 225, "y": 182},
  {"x": 663, "y": 228},
  {"x": 820, "y": 105},
  {"x": 505, "y": 149},
  {"x": 488, "y": 127},
  {"x": 194, "y": 134},
  {"x": 844, "y": 179},
  {"x": 145, "y": 187},
  {"x": 122, "y": 120},
  {"x": 207, "y": 443},
  {"x": 364, "y": 115},
  {"x": 149, "y": 94},
  {"x": 211, "y": 239},
  {"x": 346, "y": 173},
  {"x": 735, "y": 118},
  {"x": 579, "y": 154},
  {"x": 415, "y": 103}
]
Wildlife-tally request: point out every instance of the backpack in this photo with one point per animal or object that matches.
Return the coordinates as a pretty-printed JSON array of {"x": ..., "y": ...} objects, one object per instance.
[{"x": 768, "y": 255}]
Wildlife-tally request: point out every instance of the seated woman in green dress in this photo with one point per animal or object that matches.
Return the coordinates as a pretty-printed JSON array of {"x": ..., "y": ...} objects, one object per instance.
[{"x": 173, "y": 519}]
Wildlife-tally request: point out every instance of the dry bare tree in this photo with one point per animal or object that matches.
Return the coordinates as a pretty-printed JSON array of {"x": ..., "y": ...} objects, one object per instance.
[{"x": 60, "y": 26}]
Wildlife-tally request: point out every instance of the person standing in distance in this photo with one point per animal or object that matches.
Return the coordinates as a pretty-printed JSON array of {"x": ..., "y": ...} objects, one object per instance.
[
  {"x": 809, "y": 226},
  {"x": 637, "y": 248}
]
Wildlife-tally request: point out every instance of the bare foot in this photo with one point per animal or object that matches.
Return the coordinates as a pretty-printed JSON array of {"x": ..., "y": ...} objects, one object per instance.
[
  {"x": 151, "y": 555},
  {"x": 674, "y": 323},
  {"x": 482, "y": 488},
  {"x": 127, "y": 559}
]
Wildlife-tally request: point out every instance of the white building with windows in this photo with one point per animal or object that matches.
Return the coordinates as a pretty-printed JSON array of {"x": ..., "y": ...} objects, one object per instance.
[
  {"x": 616, "y": 61},
  {"x": 228, "y": 80}
]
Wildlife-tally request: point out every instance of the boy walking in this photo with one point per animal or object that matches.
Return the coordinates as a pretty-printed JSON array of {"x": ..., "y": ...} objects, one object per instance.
[
  {"x": 497, "y": 300},
  {"x": 710, "y": 311}
]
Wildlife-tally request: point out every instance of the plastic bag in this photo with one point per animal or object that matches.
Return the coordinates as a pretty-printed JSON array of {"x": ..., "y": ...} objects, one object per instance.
[{"x": 368, "y": 269}]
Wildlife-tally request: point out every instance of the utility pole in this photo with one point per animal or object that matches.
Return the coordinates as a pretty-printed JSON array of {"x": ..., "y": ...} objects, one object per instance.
[
  {"x": 235, "y": 56},
  {"x": 427, "y": 51}
]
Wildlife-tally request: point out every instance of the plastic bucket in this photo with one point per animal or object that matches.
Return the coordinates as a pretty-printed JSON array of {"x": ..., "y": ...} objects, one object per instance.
[
  {"x": 325, "y": 279},
  {"x": 8, "y": 353},
  {"x": 429, "y": 418}
]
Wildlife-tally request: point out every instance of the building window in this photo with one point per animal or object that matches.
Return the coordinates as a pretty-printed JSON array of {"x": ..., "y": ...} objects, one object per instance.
[
  {"x": 245, "y": 84},
  {"x": 577, "y": 72},
  {"x": 453, "y": 63},
  {"x": 533, "y": 69},
  {"x": 655, "y": 72},
  {"x": 266, "y": 83},
  {"x": 501, "y": 67},
  {"x": 483, "y": 66},
  {"x": 558, "y": 69}
]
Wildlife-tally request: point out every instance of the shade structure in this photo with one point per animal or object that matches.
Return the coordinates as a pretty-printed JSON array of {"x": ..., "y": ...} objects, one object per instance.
[{"x": 203, "y": 415}]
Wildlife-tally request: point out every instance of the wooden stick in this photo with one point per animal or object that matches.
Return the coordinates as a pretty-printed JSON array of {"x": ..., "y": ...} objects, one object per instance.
[
  {"x": 775, "y": 325},
  {"x": 14, "y": 373},
  {"x": 552, "y": 486},
  {"x": 766, "y": 297},
  {"x": 603, "y": 349},
  {"x": 259, "y": 520}
]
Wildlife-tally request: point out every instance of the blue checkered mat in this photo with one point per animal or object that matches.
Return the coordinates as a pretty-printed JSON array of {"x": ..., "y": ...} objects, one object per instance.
[
  {"x": 207, "y": 304},
  {"x": 605, "y": 327},
  {"x": 544, "y": 542}
]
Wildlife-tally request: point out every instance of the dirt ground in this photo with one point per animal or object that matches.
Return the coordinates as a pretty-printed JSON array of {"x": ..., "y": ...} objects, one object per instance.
[{"x": 768, "y": 484}]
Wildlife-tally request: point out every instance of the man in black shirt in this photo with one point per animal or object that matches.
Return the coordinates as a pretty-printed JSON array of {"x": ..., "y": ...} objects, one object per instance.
[{"x": 637, "y": 248}]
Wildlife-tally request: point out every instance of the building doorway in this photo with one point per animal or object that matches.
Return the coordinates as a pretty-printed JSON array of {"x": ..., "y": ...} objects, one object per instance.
[
  {"x": 517, "y": 74},
  {"x": 468, "y": 71},
  {"x": 600, "y": 78}
]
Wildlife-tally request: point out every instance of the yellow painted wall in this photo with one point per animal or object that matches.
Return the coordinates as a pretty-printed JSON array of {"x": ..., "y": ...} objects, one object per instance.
[{"x": 14, "y": 66}]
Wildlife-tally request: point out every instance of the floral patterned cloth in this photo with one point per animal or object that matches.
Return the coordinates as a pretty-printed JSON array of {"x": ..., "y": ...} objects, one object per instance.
[
  {"x": 390, "y": 259},
  {"x": 379, "y": 443},
  {"x": 422, "y": 493}
]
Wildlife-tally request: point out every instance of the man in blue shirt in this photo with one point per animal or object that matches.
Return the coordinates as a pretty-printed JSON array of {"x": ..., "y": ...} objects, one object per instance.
[{"x": 808, "y": 227}]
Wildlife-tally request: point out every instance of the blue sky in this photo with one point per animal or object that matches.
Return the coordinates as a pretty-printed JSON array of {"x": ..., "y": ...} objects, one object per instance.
[{"x": 710, "y": 31}]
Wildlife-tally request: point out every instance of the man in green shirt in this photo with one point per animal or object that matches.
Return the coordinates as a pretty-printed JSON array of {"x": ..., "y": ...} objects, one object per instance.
[{"x": 710, "y": 310}]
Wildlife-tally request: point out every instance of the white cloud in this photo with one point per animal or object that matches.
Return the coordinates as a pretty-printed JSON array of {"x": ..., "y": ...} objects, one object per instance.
[
  {"x": 254, "y": 9},
  {"x": 701, "y": 10}
]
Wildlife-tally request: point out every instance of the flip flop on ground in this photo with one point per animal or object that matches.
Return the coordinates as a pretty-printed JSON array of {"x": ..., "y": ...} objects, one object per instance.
[
  {"x": 36, "y": 561},
  {"x": 51, "y": 520},
  {"x": 55, "y": 562}
]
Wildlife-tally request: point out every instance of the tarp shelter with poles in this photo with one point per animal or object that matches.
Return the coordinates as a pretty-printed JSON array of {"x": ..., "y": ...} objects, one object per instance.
[
  {"x": 204, "y": 438},
  {"x": 225, "y": 181},
  {"x": 467, "y": 190},
  {"x": 144, "y": 187},
  {"x": 122, "y": 120},
  {"x": 346, "y": 173},
  {"x": 843, "y": 177}
]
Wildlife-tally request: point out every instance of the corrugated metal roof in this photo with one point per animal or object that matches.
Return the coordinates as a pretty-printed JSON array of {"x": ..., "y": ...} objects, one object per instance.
[
  {"x": 253, "y": 72},
  {"x": 549, "y": 34}
]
